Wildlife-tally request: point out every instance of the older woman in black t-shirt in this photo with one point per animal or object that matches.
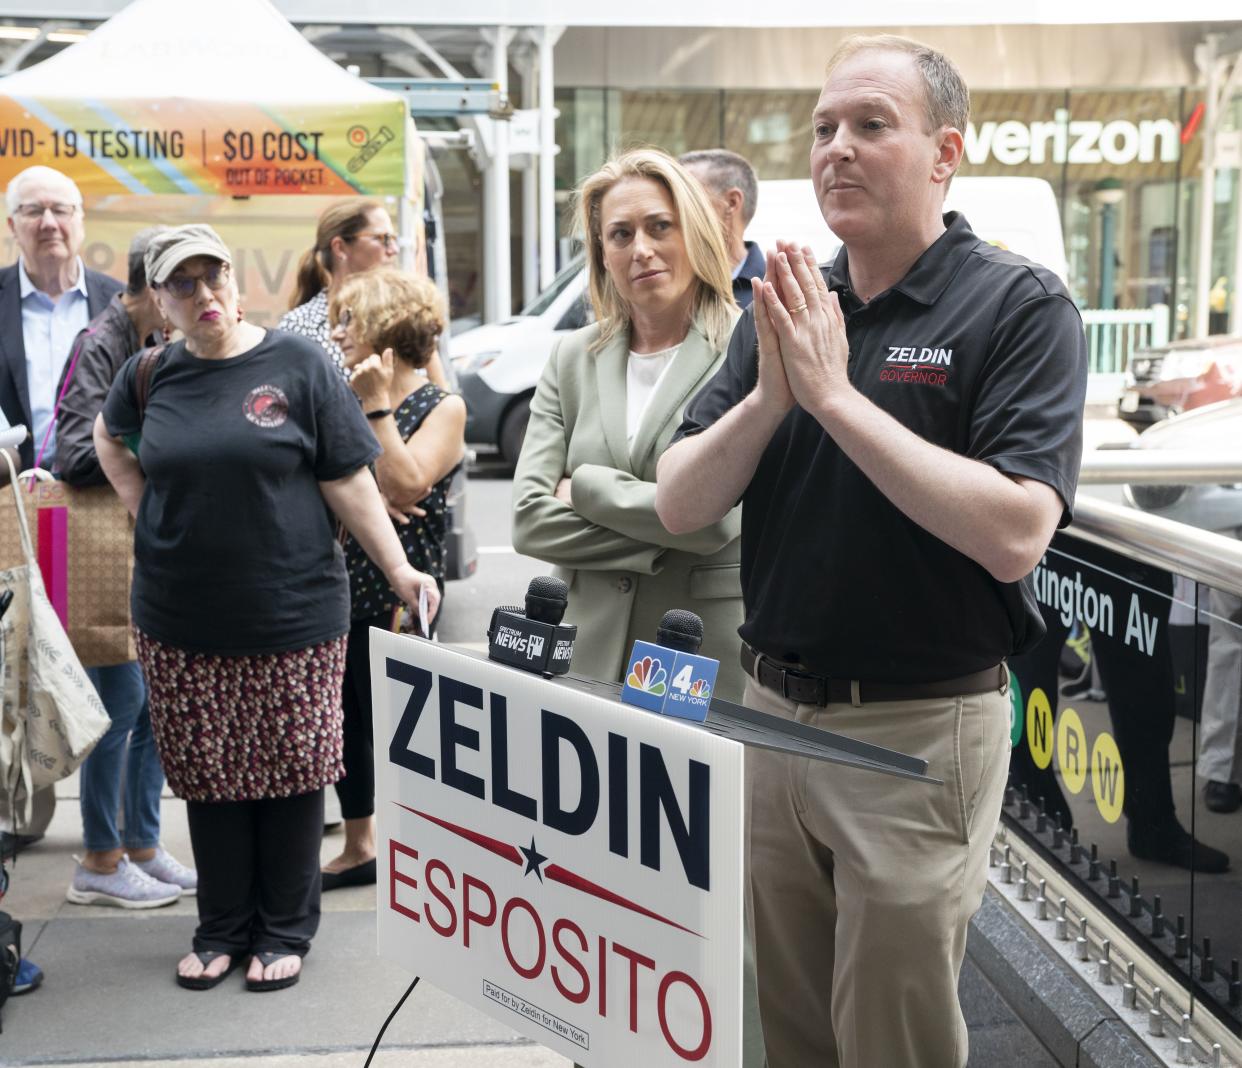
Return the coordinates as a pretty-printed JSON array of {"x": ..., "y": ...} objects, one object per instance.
[
  {"x": 246, "y": 439},
  {"x": 387, "y": 324}
]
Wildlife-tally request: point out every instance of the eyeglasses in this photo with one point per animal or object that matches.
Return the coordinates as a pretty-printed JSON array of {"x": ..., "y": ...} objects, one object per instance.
[
  {"x": 344, "y": 318},
  {"x": 184, "y": 286},
  {"x": 390, "y": 241},
  {"x": 35, "y": 211}
]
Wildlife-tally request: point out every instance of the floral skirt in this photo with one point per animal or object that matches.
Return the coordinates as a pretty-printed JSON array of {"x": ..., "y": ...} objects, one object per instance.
[{"x": 244, "y": 728}]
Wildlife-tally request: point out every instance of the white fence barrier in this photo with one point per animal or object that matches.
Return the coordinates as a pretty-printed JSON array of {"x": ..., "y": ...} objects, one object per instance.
[{"x": 1112, "y": 336}]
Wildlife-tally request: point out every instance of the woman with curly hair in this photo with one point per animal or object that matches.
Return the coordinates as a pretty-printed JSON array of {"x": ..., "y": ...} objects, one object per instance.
[{"x": 387, "y": 324}]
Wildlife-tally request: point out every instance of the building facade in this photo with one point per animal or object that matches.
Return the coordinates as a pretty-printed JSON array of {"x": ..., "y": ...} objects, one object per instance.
[{"x": 1111, "y": 116}]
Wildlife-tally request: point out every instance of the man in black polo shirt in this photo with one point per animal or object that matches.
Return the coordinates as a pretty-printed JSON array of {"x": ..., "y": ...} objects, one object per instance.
[{"x": 904, "y": 430}]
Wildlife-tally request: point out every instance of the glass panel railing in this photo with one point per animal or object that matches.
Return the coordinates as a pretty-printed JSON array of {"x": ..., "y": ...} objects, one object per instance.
[
  {"x": 1215, "y": 774},
  {"x": 1106, "y": 772}
]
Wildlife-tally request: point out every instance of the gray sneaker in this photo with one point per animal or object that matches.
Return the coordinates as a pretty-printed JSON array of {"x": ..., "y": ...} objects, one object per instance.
[
  {"x": 165, "y": 868},
  {"x": 129, "y": 887}
]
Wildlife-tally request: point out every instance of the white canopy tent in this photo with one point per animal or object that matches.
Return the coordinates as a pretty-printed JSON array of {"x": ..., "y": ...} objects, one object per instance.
[{"x": 238, "y": 109}]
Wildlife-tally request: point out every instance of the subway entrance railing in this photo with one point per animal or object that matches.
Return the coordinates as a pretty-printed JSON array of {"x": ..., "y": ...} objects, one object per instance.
[{"x": 1122, "y": 716}]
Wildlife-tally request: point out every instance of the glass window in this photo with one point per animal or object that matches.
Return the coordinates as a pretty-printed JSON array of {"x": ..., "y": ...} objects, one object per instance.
[
  {"x": 1123, "y": 151},
  {"x": 772, "y": 130},
  {"x": 674, "y": 121},
  {"x": 581, "y": 133}
]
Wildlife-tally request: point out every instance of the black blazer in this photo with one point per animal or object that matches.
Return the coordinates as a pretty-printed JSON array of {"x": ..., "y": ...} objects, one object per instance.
[{"x": 14, "y": 389}]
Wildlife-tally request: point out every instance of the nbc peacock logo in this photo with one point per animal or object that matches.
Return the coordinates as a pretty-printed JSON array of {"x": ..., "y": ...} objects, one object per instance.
[
  {"x": 701, "y": 688},
  {"x": 648, "y": 675}
]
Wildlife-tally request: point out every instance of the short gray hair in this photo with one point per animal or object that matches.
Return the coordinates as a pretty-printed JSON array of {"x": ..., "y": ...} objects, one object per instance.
[
  {"x": 13, "y": 194},
  {"x": 727, "y": 170},
  {"x": 948, "y": 99},
  {"x": 136, "y": 281}
]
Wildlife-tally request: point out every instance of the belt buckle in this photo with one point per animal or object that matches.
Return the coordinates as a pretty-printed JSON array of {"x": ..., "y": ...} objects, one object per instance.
[{"x": 785, "y": 684}]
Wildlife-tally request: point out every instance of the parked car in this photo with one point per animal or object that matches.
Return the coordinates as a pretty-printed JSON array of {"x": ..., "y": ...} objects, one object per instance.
[
  {"x": 1179, "y": 377},
  {"x": 1215, "y": 428},
  {"x": 499, "y": 364}
]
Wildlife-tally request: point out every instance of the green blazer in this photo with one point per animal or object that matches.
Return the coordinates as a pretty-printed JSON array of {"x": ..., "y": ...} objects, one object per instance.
[{"x": 623, "y": 568}]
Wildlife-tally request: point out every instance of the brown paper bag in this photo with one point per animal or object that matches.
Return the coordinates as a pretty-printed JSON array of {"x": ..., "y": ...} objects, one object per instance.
[{"x": 87, "y": 561}]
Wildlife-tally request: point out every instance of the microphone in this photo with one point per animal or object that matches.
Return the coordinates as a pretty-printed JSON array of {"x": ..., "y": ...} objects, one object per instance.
[
  {"x": 546, "y": 598},
  {"x": 534, "y": 639},
  {"x": 668, "y": 676},
  {"x": 680, "y": 630}
]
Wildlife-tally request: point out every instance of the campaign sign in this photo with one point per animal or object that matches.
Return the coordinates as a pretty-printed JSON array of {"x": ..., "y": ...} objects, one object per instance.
[
  {"x": 673, "y": 683},
  {"x": 557, "y": 860}
]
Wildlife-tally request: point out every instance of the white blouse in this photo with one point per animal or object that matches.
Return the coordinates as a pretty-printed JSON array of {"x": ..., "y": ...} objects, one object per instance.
[{"x": 642, "y": 378}]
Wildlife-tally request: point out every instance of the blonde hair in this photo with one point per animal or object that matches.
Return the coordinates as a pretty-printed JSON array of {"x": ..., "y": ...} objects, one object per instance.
[
  {"x": 713, "y": 309},
  {"x": 393, "y": 310}
]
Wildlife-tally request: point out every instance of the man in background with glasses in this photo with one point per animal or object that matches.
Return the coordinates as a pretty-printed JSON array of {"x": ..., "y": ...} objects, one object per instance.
[{"x": 46, "y": 298}]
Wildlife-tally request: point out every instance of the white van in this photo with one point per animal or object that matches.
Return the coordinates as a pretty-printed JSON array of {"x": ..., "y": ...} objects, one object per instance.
[{"x": 498, "y": 365}]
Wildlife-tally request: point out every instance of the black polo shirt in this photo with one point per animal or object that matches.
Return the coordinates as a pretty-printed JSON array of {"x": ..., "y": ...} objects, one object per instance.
[{"x": 977, "y": 350}]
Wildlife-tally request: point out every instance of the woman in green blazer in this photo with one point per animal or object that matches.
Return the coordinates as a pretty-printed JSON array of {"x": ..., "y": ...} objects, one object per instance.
[{"x": 607, "y": 406}]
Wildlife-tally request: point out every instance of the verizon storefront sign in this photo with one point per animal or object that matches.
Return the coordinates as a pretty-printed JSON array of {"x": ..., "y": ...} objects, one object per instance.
[{"x": 568, "y": 865}]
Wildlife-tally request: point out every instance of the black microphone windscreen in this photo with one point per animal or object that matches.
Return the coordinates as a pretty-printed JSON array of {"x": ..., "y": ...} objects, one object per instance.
[
  {"x": 680, "y": 630},
  {"x": 546, "y": 597}
]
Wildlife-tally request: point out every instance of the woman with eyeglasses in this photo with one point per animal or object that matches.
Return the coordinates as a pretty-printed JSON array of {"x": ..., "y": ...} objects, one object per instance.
[
  {"x": 246, "y": 441},
  {"x": 353, "y": 235},
  {"x": 388, "y": 324}
]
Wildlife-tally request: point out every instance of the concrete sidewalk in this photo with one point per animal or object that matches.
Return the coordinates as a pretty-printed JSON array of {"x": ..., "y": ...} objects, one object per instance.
[{"x": 109, "y": 994}]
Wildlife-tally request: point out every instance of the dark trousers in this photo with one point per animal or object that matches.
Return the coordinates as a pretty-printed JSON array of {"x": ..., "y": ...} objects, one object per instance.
[
  {"x": 258, "y": 873},
  {"x": 356, "y": 791}
]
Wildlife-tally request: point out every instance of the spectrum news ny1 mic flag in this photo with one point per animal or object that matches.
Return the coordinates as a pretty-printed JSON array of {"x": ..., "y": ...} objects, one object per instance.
[{"x": 563, "y": 863}]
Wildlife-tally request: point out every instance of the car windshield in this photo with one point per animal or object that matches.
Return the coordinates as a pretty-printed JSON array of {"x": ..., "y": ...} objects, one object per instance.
[{"x": 542, "y": 302}]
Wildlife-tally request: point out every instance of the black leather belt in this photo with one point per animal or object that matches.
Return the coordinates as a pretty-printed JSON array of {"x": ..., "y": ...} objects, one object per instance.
[{"x": 795, "y": 684}]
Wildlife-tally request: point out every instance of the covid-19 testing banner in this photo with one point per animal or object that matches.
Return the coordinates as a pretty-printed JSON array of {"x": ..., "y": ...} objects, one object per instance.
[
  {"x": 201, "y": 147},
  {"x": 568, "y": 865},
  {"x": 159, "y": 101}
]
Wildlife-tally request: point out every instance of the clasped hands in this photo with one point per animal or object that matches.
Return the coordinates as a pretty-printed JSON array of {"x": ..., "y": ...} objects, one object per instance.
[{"x": 803, "y": 350}]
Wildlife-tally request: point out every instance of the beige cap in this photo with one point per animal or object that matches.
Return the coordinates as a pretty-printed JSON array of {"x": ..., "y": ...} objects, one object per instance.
[{"x": 173, "y": 247}]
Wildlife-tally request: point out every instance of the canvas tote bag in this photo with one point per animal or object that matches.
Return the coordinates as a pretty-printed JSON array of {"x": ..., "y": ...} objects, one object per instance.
[
  {"x": 51, "y": 715},
  {"x": 84, "y": 542}
]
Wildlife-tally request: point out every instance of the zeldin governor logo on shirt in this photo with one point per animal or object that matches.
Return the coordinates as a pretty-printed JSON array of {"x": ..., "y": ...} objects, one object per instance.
[
  {"x": 266, "y": 406},
  {"x": 918, "y": 365}
]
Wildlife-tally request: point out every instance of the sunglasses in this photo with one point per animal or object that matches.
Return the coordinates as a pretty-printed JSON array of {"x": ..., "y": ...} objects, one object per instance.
[
  {"x": 36, "y": 211},
  {"x": 184, "y": 286},
  {"x": 344, "y": 318},
  {"x": 390, "y": 241}
]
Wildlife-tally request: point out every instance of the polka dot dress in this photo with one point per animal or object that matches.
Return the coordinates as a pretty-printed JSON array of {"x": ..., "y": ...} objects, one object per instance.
[
  {"x": 423, "y": 537},
  {"x": 311, "y": 320}
]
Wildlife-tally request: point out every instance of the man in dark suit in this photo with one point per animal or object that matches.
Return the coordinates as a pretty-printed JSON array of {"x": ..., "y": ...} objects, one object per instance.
[
  {"x": 46, "y": 298},
  {"x": 733, "y": 188}
]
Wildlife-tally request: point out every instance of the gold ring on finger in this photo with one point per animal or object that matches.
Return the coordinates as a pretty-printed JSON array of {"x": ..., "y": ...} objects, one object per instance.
[{"x": 797, "y": 308}]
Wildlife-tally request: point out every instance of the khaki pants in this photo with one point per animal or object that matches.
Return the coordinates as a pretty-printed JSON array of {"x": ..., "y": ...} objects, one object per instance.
[{"x": 864, "y": 883}]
